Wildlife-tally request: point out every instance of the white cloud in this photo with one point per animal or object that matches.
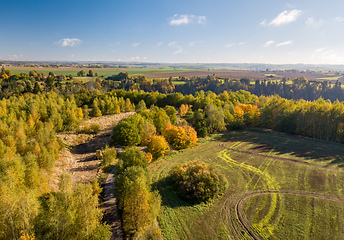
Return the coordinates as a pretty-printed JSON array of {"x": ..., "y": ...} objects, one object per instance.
[
  {"x": 201, "y": 19},
  {"x": 285, "y": 17},
  {"x": 286, "y": 43},
  {"x": 228, "y": 45},
  {"x": 187, "y": 19},
  {"x": 179, "y": 50},
  {"x": 72, "y": 55},
  {"x": 135, "y": 44},
  {"x": 313, "y": 22},
  {"x": 192, "y": 44},
  {"x": 264, "y": 22},
  {"x": 170, "y": 44},
  {"x": 69, "y": 42},
  {"x": 328, "y": 55},
  {"x": 158, "y": 44},
  {"x": 268, "y": 43},
  {"x": 339, "y": 19},
  {"x": 241, "y": 43}
]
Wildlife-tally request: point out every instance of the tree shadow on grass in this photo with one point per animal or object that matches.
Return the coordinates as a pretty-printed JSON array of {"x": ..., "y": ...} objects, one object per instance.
[
  {"x": 281, "y": 143},
  {"x": 168, "y": 194}
]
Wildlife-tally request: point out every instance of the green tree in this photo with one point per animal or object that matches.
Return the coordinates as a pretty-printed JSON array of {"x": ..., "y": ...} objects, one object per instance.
[
  {"x": 90, "y": 73},
  {"x": 171, "y": 113},
  {"x": 81, "y": 73},
  {"x": 126, "y": 133},
  {"x": 95, "y": 112},
  {"x": 131, "y": 157}
]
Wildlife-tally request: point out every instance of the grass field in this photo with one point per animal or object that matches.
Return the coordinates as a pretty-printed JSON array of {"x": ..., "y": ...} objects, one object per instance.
[
  {"x": 280, "y": 187},
  {"x": 101, "y": 71}
]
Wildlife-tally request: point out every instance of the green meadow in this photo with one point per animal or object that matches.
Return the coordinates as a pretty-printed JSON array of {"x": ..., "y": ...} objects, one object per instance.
[{"x": 280, "y": 187}]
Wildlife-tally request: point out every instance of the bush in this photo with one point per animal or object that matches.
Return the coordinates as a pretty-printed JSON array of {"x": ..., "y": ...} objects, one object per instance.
[
  {"x": 95, "y": 127},
  {"x": 109, "y": 155},
  {"x": 196, "y": 182},
  {"x": 85, "y": 129}
]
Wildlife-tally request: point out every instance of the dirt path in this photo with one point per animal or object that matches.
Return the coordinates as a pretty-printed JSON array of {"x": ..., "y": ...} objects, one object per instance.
[
  {"x": 111, "y": 212},
  {"x": 79, "y": 160}
]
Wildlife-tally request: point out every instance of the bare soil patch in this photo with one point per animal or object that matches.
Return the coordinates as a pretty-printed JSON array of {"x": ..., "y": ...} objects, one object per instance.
[{"x": 78, "y": 157}]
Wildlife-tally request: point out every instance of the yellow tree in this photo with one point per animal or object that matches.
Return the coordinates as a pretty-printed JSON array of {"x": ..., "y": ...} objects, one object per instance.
[{"x": 157, "y": 146}]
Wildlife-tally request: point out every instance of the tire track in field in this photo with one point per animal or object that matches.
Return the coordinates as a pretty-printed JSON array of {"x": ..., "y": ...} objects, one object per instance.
[
  {"x": 239, "y": 206},
  {"x": 222, "y": 145},
  {"x": 270, "y": 183}
]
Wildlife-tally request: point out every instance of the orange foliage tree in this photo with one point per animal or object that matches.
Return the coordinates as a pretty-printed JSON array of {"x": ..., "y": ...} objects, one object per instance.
[{"x": 180, "y": 137}]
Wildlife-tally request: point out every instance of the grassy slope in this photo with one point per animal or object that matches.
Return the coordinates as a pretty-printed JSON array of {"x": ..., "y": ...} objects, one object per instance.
[{"x": 251, "y": 161}]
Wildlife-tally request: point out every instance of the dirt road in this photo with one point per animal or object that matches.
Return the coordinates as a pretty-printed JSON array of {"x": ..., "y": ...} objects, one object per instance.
[{"x": 79, "y": 160}]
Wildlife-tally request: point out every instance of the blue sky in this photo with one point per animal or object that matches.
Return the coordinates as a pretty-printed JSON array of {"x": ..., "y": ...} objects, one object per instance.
[{"x": 217, "y": 31}]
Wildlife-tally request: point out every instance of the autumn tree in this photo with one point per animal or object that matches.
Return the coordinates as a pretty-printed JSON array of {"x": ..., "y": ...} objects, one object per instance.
[
  {"x": 197, "y": 182},
  {"x": 139, "y": 204},
  {"x": 157, "y": 146},
  {"x": 180, "y": 137}
]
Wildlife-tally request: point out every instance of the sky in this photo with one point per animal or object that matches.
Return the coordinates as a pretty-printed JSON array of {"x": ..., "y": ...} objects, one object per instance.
[{"x": 174, "y": 31}]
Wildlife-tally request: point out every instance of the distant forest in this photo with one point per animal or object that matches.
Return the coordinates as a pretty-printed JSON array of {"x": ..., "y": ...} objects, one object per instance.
[{"x": 299, "y": 88}]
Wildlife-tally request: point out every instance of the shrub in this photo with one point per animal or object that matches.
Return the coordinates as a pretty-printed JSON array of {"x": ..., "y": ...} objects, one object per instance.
[
  {"x": 86, "y": 129},
  {"x": 95, "y": 127},
  {"x": 196, "y": 182},
  {"x": 109, "y": 155}
]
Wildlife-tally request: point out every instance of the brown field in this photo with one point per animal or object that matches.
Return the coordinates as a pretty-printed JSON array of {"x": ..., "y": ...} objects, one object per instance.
[{"x": 238, "y": 74}]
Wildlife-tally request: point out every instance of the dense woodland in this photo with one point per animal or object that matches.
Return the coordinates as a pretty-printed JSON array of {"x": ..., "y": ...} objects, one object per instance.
[{"x": 34, "y": 107}]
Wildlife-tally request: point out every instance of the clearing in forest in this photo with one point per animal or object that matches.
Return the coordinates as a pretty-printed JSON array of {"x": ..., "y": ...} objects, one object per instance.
[{"x": 280, "y": 187}]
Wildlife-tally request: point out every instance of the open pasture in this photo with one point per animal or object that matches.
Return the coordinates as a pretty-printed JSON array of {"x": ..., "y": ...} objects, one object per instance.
[
  {"x": 280, "y": 187},
  {"x": 101, "y": 71},
  {"x": 151, "y": 73}
]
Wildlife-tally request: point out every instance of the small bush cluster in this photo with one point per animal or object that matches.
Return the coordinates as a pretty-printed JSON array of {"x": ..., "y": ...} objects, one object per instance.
[
  {"x": 197, "y": 182},
  {"x": 90, "y": 129}
]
